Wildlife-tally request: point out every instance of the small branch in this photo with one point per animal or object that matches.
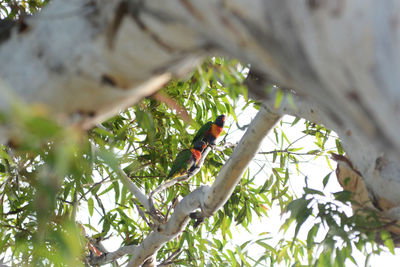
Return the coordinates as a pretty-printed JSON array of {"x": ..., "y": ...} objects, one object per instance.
[
  {"x": 170, "y": 260},
  {"x": 100, "y": 203},
  {"x": 166, "y": 232},
  {"x": 150, "y": 262},
  {"x": 144, "y": 176},
  {"x": 16, "y": 211},
  {"x": 131, "y": 186},
  {"x": 242, "y": 128},
  {"x": 146, "y": 202},
  {"x": 59, "y": 198},
  {"x": 91, "y": 187},
  {"x": 289, "y": 152},
  {"x": 141, "y": 213},
  {"x": 209, "y": 199},
  {"x": 174, "y": 203},
  {"x": 134, "y": 189},
  {"x": 112, "y": 256}
]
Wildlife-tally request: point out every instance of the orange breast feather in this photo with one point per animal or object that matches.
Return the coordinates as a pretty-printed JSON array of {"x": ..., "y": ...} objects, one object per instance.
[
  {"x": 196, "y": 154},
  {"x": 216, "y": 130}
]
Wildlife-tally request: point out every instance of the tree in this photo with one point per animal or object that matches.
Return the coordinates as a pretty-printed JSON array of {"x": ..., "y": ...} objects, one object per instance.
[{"x": 85, "y": 78}]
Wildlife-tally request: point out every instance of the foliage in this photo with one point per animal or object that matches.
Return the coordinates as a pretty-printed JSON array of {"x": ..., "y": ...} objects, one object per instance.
[
  {"x": 15, "y": 9},
  {"x": 49, "y": 174},
  {"x": 59, "y": 195}
]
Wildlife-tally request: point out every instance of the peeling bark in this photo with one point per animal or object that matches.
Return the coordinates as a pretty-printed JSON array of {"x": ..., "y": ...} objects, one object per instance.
[
  {"x": 94, "y": 55},
  {"x": 86, "y": 60}
]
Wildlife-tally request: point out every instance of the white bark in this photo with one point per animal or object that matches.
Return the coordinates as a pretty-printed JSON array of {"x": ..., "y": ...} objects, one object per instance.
[
  {"x": 209, "y": 199},
  {"x": 85, "y": 60},
  {"x": 231, "y": 173},
  {"x": 76, "y": 60}
]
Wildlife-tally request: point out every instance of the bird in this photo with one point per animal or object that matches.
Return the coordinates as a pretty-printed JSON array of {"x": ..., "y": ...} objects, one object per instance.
[
  {"x": 187, "y": 160},
  {"x": 210, "y": 131}
]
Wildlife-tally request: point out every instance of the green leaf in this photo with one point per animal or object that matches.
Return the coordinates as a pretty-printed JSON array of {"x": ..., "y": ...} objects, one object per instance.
[
  {"x": 298, "y": 206},
  {"x": 242, "y": 246},
  {"x": 387, "y": 240},
  {"x": 311, "y": 191},
  {"x": 339, "y": 146},
  {"x": 109, "y": 158},
  {"x": 2, "y": 168},
  {"x": 266, "y": 246},
  {"x": 108, "y": 189},
  {"x": 278, "y": 98},
  {"x": 42, "y": 127},
  {"x": 343, "y": 196},
  {"x": 314, "y": 152},
  {"x": 312, "y": 233},
  {"x": 90, "y": 206},
  {"x": 265, "y": 186},
  {"x": 116, "y": 190},
  {"x": 326, "y": 179},
  {"x": 276, "y": 135},
  {"x": 329, "y": 162}
]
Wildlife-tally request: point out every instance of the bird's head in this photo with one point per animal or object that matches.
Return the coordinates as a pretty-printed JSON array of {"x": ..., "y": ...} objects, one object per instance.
[
  {"x": 220, "y": 120},
  {"x": 200, "y": 145}
]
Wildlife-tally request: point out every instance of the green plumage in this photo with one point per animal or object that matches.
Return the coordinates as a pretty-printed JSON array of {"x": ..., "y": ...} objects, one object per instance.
[
  {"x": 200, "y": 133},
  {"x": 181, "y": 164}
]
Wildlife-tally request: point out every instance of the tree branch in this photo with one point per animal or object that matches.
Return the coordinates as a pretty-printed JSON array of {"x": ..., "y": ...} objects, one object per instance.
[
  {"x": 141, "y": 213},
  {"x": 134, "y": 189},
  {"x": 232, "y": 171},
  {"x": 209, "y": 199},
  {"x": 202, "y": 197},
  {"x": 168, "y": 261},
  {"x": 112, "y": 256},
  {"x": 166, "y": 232},
  {"x": 146, "y": 202}
]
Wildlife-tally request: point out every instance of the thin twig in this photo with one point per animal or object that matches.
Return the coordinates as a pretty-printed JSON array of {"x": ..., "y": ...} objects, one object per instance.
[
  {"x": 174, "y": 203},
  {"x": 286, "y": 150},
  {"x": 93, "y": 186},
  {"x": 146, "y": 203},
  {"x": 289, "y": 152},
  {"x": 112, "y": 256},
  {"x": 225, "y": 146},
  {"x": 100, "y": 203},
  {"x": 141, "y": 213},
  {"x": 144, "y": 176},
  {"x": 170, "y": 260}
]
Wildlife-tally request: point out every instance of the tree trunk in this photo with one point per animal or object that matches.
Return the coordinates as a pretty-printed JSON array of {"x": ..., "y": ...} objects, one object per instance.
[{"x": 86, "y": 60}]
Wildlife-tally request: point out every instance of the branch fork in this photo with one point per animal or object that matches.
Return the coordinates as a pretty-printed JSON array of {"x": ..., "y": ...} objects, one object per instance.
[{"x": 206, "y": 198}]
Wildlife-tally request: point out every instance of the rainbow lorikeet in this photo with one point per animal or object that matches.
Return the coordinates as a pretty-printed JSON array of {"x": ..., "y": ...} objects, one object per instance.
[
  {"x": 186, "y": 160},
  {"x": 210, "y": 131}
]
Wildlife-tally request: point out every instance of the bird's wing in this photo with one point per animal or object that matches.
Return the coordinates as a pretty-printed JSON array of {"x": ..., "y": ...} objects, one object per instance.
[
  {"x": 180, "y": 163},
  {"x": 201, "y": 132}
]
